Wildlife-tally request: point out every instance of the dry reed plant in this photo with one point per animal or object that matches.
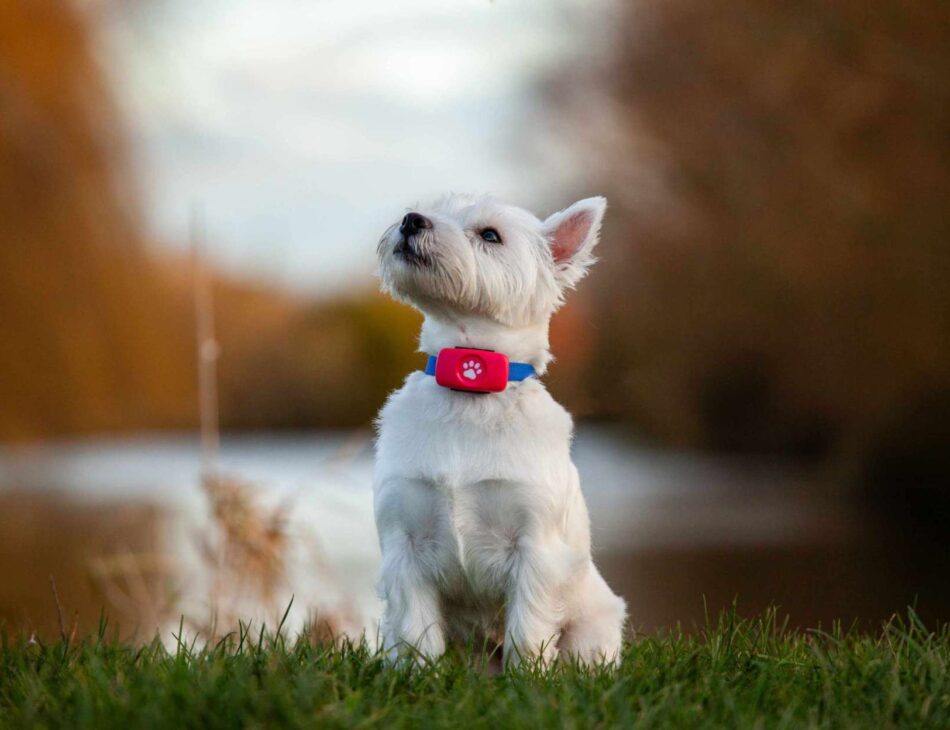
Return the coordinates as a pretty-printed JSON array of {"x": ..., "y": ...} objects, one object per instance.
[
  {"x": 247, "y": 549},
  {"x": 245, "y": 552}
]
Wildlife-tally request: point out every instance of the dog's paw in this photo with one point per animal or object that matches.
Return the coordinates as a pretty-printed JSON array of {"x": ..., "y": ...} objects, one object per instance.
[{"x": 471, "y": 369}]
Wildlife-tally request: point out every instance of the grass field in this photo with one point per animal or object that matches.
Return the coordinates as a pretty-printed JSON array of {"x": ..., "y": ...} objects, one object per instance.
[{"x": 735, "y": 673}]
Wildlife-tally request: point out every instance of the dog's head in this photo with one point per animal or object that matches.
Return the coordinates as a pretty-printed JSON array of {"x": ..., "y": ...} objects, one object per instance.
[{"x": 477, "y": 256}]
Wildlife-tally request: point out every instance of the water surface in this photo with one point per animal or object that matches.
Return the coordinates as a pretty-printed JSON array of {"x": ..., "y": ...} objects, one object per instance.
[{"x": 668, "y": 527}]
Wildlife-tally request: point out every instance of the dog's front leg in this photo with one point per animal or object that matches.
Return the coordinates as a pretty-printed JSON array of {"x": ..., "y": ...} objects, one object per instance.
[
  {"x": 412, "y": 621},
  {"x": 411, "y": 519},
  {"x": 532, "y": 615}
]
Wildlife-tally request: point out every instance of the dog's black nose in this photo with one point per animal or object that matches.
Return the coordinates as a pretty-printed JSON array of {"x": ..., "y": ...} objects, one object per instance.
[{"x": 413, "y": 223}]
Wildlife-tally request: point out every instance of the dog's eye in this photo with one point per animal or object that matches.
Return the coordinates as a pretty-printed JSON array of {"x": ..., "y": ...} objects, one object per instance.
[{"x": 491, "y": 235}]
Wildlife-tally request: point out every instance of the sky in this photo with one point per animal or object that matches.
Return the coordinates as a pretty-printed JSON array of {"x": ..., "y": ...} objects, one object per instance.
[{"x": 300, "y": 129}]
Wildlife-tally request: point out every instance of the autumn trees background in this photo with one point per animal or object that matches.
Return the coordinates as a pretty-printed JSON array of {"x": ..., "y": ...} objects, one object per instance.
[
  {"x": 96, "y": 320},
  {"x": 776, "y": 258},
  {"x": 777, "y": 253}
]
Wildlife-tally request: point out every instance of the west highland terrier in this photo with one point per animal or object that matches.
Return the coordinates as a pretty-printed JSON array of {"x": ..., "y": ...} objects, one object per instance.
[{"x": 482, "y": 524}]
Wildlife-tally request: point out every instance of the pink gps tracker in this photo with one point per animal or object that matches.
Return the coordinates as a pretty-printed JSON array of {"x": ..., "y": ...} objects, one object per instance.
[{"x": 477, "y": 371}]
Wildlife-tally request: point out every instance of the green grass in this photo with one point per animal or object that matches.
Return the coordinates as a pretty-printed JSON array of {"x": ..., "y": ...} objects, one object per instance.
[{"x": 736, "y": 673}]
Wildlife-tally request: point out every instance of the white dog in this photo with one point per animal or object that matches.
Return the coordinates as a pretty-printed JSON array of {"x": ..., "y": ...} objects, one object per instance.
[{"x": 482, "y": 524}]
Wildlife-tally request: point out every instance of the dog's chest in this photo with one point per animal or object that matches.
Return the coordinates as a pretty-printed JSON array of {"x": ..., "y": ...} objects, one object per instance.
[
  {"x": 455, "y": 439},
  {"x": 485, "y": 522},
  {"x": 472, "y": 476}
]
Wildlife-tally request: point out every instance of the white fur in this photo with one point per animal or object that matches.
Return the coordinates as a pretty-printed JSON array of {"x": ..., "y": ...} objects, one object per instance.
[{"x": 482, "y": 524}]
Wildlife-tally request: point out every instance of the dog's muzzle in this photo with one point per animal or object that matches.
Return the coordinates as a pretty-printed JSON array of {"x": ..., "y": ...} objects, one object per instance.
[{"x": 407, "y": 249}]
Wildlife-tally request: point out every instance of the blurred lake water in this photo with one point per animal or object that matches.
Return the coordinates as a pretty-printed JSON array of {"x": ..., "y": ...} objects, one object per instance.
[{"x": 670, "y": 528}]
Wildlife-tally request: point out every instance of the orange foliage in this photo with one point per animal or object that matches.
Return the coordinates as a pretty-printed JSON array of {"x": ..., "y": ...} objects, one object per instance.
[
  {"x": 97, "y": 328},
  {"x": 84, "y": 344},
  {"x": 775, "y": 260}
]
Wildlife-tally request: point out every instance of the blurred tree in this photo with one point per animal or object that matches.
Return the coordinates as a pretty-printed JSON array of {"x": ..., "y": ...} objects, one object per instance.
[
  {"x": 778, "y": 246},
  {"x": 96, "y": 326},
  {"x": 327, "y": 365},
  {"x": 84, "y": 343}
]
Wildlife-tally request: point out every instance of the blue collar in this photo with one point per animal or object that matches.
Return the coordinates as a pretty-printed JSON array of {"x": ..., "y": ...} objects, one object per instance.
[{"x": 517, "y": 371}]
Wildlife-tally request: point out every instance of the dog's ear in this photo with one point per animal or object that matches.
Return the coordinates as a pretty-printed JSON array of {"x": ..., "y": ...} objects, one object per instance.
[{"x": 572, "y": 234}]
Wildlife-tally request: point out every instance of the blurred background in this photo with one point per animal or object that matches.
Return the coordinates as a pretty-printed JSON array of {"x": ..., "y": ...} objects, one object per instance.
[{"x": 759, "y": 366}]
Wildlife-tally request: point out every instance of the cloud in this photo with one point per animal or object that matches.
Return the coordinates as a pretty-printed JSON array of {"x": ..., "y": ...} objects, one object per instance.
[{"x": 312, "y": 123}]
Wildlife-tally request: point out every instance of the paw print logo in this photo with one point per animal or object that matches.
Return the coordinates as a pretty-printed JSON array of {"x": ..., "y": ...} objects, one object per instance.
[{"x": 471, "y": 369}]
